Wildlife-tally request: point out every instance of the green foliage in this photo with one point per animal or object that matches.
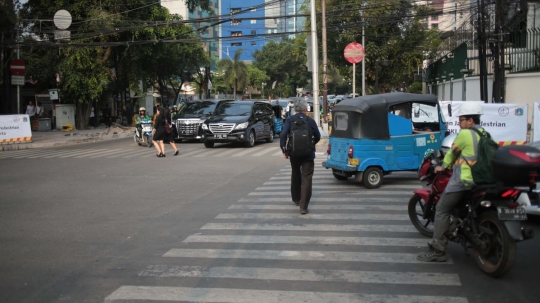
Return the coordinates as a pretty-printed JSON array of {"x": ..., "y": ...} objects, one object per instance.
[
  {"x": 234, "y": 71},
  {"x": 415, "y": 87},
  {"x": 257, "y": 77}
]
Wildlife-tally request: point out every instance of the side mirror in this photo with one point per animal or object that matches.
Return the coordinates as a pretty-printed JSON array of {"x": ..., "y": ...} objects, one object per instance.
[{"x": 450, "y": 110}]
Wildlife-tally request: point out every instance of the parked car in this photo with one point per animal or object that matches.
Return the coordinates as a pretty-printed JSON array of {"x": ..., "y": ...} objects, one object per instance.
[
  {"x": 187, "y": 123},
  {"x": 355, "y": 95},
  {"x": 240, "y": 122}
]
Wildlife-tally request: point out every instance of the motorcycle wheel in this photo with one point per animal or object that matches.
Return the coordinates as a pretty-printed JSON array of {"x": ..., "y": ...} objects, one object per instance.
[
  {"x": 499, "y": 254},
  {"x": 416, "y": 213},
  {"x": 148, "y": 141},
  {"x": 136, "y": 139}
]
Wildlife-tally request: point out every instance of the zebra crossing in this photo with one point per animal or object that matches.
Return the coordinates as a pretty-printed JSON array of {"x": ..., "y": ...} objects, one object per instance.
[
  {"x": 140, "y": 152},
  {"x": 358, "y": 243}
]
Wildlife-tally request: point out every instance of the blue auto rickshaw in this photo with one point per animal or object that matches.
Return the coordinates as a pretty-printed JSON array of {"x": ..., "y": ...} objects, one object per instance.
[{"x": 375, "y": 135}]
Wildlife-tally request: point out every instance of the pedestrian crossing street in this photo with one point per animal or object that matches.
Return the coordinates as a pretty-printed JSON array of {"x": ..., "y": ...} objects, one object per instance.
[
  {"x": 141, "y": 152},
  {"x": 355, "y": 245}
]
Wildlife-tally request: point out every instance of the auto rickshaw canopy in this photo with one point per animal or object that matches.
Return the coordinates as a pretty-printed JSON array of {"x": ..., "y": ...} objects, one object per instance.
[{"x": 368, "y": 115}]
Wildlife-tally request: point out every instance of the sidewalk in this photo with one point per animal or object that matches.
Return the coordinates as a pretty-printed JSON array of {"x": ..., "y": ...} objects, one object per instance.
[{"x": 42, "y": 139}]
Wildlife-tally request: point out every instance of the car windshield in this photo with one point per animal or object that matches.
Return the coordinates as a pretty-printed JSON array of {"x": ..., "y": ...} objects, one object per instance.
[
  {"x": 199, "y": 108},
  {"x": 234, "y": 109}
]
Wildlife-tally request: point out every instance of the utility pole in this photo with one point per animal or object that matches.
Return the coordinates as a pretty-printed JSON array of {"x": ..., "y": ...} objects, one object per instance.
[
  {"x": 363, "y": 61},
  {"x": 498, "y": 52},
  {"x": 207, "y": 72},
  {"x": 315, "y": 57},
  {"x": 325, "y": 61},
  {"x": 482, "y": 50}
]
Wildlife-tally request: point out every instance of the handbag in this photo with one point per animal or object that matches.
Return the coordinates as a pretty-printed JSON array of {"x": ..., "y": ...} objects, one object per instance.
[{"x": 168, "y": 127}]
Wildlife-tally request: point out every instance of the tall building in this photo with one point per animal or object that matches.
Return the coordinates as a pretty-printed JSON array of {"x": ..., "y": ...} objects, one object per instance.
[{"x": 258, "y": 23}]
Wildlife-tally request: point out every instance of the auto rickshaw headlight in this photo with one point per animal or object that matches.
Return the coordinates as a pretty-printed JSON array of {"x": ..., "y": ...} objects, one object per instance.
[{"x": 351, "y": 151}]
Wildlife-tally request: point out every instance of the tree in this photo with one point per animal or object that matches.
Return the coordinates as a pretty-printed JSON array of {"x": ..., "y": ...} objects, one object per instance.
[
  {"x": 8, "y": 22},
  {"x": 234, "y": 71},
  {"x": 256, "y": 77}
]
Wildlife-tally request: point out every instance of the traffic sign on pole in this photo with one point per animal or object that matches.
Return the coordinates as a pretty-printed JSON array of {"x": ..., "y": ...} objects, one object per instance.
[
  {"x": 17, "y": 67},
  {"x": 354, "y": 52}
]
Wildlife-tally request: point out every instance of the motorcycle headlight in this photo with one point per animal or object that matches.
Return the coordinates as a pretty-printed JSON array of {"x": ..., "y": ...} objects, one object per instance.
[
  {"x": 204, "y": 126},
  {"x": 241, "y": 125}
]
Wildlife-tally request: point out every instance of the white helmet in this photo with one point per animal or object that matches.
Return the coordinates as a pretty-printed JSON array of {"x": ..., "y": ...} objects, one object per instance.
[
  {"x": 470, "y": 109},
  {"x": 142, "y": 108}
]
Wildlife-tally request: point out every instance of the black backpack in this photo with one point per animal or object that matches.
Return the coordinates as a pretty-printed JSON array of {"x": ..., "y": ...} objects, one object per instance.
[
  {"x": 482, "y": 171},
  {"x": 300, "y": 138}
]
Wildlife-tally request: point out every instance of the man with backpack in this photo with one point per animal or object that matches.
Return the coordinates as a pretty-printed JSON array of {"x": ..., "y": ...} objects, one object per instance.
[
  {"x": 466, "y": 152},
  {"x": 297, "y": 141}
]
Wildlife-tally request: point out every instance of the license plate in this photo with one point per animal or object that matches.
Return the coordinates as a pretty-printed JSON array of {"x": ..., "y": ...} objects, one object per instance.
[
  {"x": 147, "y": 129},
  {"x": 353, "y": 161},
  {"x": 509, "y": 214},
  {"x": 220, "y": 136}
]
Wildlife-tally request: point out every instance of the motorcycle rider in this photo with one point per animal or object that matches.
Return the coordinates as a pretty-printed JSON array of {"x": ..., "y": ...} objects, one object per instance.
[
  {"x": 140, "y": 118},
  {"x": 464, "y": 149}
]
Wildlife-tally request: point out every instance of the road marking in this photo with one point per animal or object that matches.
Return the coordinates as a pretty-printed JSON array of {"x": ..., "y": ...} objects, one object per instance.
[
  {"x": 135, "y": 153},
  {"x": 288, "y": 177},
  {"x": 207, "y": 153},
  {"x": 359, "y": 191},
  {"x": 278, "y": 154},
  {"x": 326, "y": 199},
  {"x": 79, "y": 155},
  {"x": 322, "y": 183},
  {"x": 267, "y": 150},
  {"x": 352, "y": 186},
  {"x": 229, "y": 151},
  {"x": 317, "y": 169},
  {"x": 41, "y": 154},
  {"x": 349, "y": 276},
  {"x": 325, "y": 207},
  {"x": 190, "y": 153},
  {"x": 338, "y": 256},
  {"x": 170, "y": 293},
  {"x": 11, "y": 154},
  {"x": 361, "y": 241},
  {"x": 105, "y": 153},
  {"x": 247, "y": 151},
  {"x": 269, "y": 216},
  {"x": 311, "y": 227},
  {"x": 64, "y": 153}
]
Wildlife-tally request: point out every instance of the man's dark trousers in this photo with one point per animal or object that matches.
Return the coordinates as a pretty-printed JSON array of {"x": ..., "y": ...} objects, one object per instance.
[{"x": 302, "y": 173}]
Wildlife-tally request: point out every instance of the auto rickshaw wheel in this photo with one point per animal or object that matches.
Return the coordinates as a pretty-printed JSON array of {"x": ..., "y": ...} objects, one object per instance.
[
  {"x": 339, "y": 177},
  {"x": 373, "y": 177}
]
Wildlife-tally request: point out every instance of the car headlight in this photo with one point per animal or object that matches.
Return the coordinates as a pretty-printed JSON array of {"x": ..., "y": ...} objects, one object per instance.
[
  {"x": 241, "y": 125},
  {"x": 204, "y": 126}
]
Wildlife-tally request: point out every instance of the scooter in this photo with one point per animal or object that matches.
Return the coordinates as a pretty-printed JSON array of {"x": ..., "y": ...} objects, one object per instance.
[
  {"x": 488, "y": 219},
  {"x": 146, "y": 136}
]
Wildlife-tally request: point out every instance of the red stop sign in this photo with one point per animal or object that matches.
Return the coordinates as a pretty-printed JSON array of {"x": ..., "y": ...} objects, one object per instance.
[
  {"x": 17, "y": 67},
  {"x": 354, "y": 52}
]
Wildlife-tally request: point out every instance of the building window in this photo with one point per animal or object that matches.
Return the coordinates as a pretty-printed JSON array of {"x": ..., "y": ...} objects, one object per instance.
[
  {"x": 253, "y": 32},
  {"x": 434, "y": 17},
  {"x": 236, "y": 34},
  {"x": 253, "y": 43},
  {"x": 436, "y": 25},
  {"x": 236, "y": 22},
  {"x": 235, "y": 10},
  {"x": 253, "y": 21},
  {"x": 236, "y": 44}
]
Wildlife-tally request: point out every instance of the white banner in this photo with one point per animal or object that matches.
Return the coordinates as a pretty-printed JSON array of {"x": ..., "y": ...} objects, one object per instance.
[
  {"x": 505, "y": 122},
  {"x": 536, "y": 121},
  {"x": 15, "y": 128}
]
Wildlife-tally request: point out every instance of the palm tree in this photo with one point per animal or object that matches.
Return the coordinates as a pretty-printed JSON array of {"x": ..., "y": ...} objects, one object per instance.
[{"x": 234, "y": 70}]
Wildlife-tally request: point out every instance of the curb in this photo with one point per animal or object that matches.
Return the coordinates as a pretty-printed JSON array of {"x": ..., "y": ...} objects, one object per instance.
[{"x": 102, "y": 137}]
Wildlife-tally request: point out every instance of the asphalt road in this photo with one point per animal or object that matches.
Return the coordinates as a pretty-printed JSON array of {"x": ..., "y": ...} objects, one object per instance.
[{"x": 111, "y": 222}]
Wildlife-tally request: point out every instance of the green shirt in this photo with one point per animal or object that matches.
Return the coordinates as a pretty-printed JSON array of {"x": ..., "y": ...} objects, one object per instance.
[{"x": 139, "y": 119}]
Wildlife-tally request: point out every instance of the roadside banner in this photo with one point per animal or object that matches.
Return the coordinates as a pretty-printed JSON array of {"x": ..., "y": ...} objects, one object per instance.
[
  {"x": 507, "y": 123},
  {"x": 15, "y": 129},
  {"x": 536, "y": 121}
]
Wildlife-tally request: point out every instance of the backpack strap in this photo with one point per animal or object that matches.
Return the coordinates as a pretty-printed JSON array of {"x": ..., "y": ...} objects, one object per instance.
[{"x": 480, "y": 133}]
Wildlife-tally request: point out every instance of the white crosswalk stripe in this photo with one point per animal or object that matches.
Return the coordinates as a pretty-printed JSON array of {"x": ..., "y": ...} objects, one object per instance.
[
  {"x": 371, "y": 226},
  {"x": 349, "y": 276},
  {"x": 130, "y": 293}
]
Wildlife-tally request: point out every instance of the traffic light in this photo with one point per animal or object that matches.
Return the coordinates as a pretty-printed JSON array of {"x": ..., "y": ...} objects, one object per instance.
[{"x": 309, "y": 62}]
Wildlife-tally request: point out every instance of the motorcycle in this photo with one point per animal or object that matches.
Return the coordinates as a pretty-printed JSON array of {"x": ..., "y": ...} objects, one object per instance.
[
  {"x": 143, "y": 134},
  {"x": 488, "y": 219}
]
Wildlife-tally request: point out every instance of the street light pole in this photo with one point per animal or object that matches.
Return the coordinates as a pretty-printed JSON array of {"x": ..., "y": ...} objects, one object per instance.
[
  {"x": 315, "y": 57},
  {"x": 376, "y": 77}
]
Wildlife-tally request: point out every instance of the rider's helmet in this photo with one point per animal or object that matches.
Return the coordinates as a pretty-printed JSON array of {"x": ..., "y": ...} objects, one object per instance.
[
  {"x": 470, "y": 109},
  {"x": 142, "y": 110}
]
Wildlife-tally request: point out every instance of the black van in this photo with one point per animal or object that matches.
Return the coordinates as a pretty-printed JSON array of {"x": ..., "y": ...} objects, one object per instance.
[
  {"x": 239, "y": 121},
  {"x": 187, "y": 123}
]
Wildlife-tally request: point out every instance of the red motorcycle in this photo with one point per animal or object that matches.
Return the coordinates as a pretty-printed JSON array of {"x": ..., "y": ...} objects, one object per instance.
[{"x": 488, "y": 219}]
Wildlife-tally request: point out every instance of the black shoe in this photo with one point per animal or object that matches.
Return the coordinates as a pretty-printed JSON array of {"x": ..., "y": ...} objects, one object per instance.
[
  {"x": 158, "y": 155},
  {"x": 432, "y": 255},
  {"x": 163, "y": 155},
  {"x": 303, "y": 211},
  {"x": 296, "y": 203},
  {"x": 176, "y": 153}
]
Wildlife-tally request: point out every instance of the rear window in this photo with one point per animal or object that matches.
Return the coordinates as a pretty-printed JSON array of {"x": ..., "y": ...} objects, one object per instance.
[
  {"x": 234, "y": 109},
  {"x": 341, "y": 121}
]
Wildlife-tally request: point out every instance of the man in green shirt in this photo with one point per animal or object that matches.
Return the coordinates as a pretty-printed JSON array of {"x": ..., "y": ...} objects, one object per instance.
[{"x": 463, "y": 152}]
